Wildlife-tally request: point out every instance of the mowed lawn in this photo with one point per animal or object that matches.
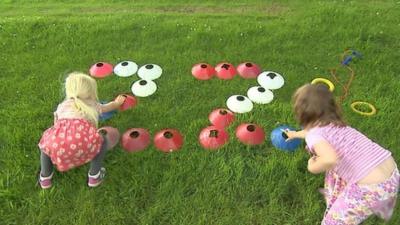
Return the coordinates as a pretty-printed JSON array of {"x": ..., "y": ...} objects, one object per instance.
[{"x": 41, "y": 41}]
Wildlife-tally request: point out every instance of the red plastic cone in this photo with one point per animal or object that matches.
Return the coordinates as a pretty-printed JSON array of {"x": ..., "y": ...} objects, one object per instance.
[
  {"x": 213, "y": 137},
  {"x": 112, "y": 135},
  {"x": 225, "y": 71},
  {"x": 221, "y": 117},
  {"x": 129, "y": 102},
  {"x": 135, "y": 139},
  {"x": 101, "y": 69},
  {"x": 248, "y": 70},
  {"x": 250, "y": 134},
  {"x": 168, "y": 140},
  {"x": 203, "y": 71}
]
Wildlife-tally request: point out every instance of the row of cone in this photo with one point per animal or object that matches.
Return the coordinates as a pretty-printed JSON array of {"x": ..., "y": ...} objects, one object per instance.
[
  {"x": 268, "y": 79},
  {"x": 211, "y": 138},
  {"x": 138, "y": 139},
  {"x": 125, "y": 69},
  {"x": 225, "y": 71}
]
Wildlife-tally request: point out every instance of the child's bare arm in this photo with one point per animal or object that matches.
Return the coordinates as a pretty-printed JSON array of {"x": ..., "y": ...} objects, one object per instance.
[
  {"x": 113, "y": 105},
  {"x": 324, "y": 159},
  {"x": 108, "y": 107}
]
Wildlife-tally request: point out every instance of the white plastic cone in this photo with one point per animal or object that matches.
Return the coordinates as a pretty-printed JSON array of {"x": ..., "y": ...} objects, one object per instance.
[
  {"x": 239, "y": 104},
  {"x": 260, "y": 95},
  {"x": 125, "y": 69},
  {"x": 143, "y": 88},
  {"x": 150, "y": 72},
  {"x": 270, "y": 80}
]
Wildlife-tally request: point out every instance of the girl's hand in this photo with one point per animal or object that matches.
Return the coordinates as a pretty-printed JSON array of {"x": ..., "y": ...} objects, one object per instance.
[
  {"x": 120, "y": 100},
  {"x": 113, "y": 105},
  {"x": 290, "y": 134},
  {"x": 294, "y": 134}
]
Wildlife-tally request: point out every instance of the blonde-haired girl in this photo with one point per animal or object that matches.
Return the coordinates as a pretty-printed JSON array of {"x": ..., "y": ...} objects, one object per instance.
[
  {"x": 73, "y": 140},
  {"x": 361, "y": 177}
]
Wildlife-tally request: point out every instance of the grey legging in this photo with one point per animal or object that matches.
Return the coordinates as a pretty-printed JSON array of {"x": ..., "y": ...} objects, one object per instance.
[{"x": 95, "y": 164}]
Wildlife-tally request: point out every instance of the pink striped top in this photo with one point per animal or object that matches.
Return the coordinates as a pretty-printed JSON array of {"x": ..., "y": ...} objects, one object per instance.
[{"x": 357, "y": 154}]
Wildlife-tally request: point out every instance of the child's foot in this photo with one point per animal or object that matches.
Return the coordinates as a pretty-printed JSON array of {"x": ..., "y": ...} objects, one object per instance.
[
  {"x": 45, "y": 182},
  {"x": 95, "y": 180}
]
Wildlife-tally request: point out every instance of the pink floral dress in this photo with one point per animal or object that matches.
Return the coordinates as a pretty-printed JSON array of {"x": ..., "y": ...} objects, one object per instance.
[
  {"x": 351, "y": 204},
  {"x": 73, "y": 140}
]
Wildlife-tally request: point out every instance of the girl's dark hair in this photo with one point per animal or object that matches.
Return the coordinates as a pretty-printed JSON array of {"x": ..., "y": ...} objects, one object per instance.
[{"x": 315, "y": 105}]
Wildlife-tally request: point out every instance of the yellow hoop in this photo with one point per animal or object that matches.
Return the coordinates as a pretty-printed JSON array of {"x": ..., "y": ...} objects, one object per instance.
[
  {"x": 324, "y": 81},
  {"x": 371, "y": 113}
]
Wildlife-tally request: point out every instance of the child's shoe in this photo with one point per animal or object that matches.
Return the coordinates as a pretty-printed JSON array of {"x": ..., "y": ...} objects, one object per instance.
[
  {"x": 96, "y": 180},
  {"x": 45, "y": 182}
]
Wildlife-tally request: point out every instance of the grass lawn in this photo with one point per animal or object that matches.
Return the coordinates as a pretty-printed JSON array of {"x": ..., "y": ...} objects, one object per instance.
[{"x": 41, "y": 41}]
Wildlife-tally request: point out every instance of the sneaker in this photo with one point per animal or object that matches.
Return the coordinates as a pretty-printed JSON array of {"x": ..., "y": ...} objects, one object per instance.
[
  {"x": 96, "y": 180},
  {"x": 45, "y": 182}
]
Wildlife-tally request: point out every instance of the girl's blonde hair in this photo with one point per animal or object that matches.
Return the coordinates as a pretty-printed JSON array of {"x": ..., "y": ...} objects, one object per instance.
[
  {"x": 82, "y": 89},
  {"x": 315, "y": 105}
]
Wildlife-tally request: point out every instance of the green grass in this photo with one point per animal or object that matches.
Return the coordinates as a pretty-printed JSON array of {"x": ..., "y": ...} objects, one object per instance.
[{"x": 41, "y": 41}]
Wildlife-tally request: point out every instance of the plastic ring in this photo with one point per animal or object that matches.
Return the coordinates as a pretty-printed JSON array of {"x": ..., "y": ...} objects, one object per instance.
[
  {"x": 324, "y": 81},
  {"x": 371, "y": 113}
]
